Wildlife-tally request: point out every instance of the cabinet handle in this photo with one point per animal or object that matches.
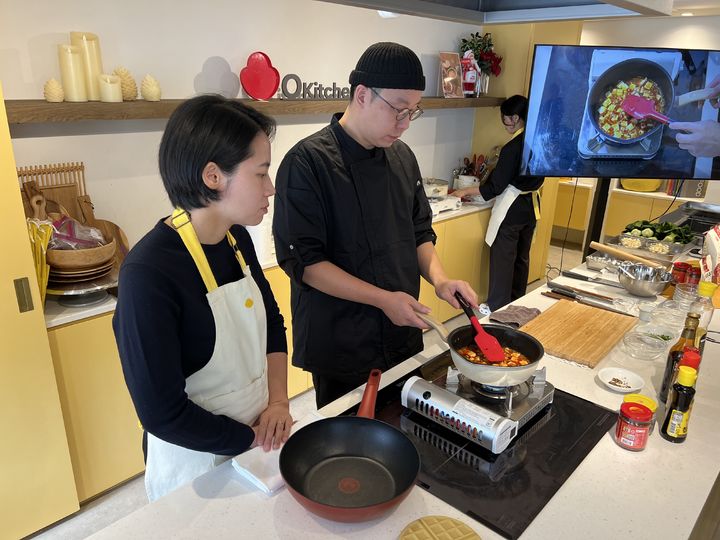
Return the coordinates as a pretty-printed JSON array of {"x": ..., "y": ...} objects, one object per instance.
[{"x": 23, "y": 294}]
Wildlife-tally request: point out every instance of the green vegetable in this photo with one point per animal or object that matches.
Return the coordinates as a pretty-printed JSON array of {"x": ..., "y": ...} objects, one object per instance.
[
  {"x": 664, "y": 337},
  {"x": 648, "y": 232},
  {"x": 636, "y": 232}
]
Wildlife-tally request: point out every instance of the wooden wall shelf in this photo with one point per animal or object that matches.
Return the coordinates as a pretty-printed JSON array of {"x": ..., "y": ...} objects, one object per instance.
[{"x": 38, "y": 111}]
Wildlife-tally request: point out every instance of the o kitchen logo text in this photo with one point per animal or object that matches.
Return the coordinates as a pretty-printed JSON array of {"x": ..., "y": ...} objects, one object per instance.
[
  {"x": 293, "y": 87},
  {"x": 261, "y": 80}
]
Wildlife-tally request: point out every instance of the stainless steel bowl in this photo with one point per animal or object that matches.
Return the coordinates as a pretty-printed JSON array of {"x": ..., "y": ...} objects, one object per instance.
[{"x": 642, "y": 280}]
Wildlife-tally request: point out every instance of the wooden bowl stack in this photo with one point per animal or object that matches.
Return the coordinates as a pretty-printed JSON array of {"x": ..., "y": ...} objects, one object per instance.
[{"x": 79, "y": 265}]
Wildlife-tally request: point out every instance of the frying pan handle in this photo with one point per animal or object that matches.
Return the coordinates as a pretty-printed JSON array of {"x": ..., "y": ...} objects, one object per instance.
[
  {"x": 444, "y": 333},
  {"x": 367, "y": 405}
]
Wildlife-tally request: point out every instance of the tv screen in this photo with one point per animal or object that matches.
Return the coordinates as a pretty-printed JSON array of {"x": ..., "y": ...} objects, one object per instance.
[{"x": 577, "y": 123}]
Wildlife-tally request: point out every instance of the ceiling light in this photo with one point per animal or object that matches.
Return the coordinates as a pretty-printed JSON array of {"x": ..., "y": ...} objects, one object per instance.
[
  {"x": 387, "y": 14},
  {"x": 687, "y": 14}
]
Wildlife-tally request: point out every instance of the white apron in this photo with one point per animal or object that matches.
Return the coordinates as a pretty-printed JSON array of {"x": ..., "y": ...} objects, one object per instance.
[
  {"x": 234, "y": 381},
  {"x": 502, "y": 204}
]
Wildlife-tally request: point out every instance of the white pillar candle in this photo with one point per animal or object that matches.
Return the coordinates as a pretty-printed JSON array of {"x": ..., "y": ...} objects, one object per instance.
[
  {"x": 90, "y": 49},
  {"x": 110, "y": 90},
  {"x": 72, "y": 72}
]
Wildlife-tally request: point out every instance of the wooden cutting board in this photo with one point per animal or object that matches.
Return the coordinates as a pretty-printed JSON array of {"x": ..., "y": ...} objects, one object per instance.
[{"x": 579, "y": 333}]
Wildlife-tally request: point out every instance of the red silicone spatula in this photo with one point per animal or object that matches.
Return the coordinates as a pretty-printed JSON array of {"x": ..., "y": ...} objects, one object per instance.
[
  {"x": 489, "y": 345},
  {"x": 640, "y": 108}
]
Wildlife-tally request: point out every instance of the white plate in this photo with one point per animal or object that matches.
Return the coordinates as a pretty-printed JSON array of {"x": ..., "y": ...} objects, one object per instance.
[{"x": 621, "y": 380}]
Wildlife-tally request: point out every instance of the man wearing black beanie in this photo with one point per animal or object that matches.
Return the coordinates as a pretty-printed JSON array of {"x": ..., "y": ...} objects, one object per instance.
[{"x": 353, "y": 230}]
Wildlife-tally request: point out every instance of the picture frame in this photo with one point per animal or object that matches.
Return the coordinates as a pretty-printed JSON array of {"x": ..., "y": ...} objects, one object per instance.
[{"x": 450, "y": 83}]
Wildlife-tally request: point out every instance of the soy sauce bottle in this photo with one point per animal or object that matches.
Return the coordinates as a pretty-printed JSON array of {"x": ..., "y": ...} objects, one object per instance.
[
  {"x": 675, "y": 426},
  {"x": 687, "y": 339}
]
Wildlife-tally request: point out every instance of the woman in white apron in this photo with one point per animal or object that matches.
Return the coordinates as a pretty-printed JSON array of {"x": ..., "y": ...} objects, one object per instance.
[
  {"x": 515, "y": 211},
  {"x": 200, "y": 336}
]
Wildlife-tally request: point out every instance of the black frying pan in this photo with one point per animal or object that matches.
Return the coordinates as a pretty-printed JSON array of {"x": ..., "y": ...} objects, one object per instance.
[
  {"x": 350, "y": 468},
  {"x": 624, "y": 71}
]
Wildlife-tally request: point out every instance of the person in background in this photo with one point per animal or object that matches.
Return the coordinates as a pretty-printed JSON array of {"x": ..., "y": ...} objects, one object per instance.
[
  {"x": 702, "y": 138},
  {"x": 515, "y": 211},
  {"x": 353, "y": 230},
  {"x": 201, "y": 338}
]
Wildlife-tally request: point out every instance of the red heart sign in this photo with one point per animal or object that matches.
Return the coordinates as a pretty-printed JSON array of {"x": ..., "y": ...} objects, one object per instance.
[{"x": 259, "y": 78}]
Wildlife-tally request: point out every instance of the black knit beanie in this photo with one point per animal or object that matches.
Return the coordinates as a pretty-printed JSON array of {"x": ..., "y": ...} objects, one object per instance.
[{"x": 389, "y": 65}]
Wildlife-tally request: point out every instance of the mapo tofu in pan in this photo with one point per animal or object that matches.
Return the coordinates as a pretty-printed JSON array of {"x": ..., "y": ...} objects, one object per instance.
[
  {"x": 615, "y": 122},
  {"x": 513, "y": 358}
]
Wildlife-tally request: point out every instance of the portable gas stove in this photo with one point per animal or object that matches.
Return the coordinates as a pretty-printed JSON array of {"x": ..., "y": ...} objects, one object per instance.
[
  {"x": 541, "y": 433},
  {"x": 487, "y": 415},
  {"x": 591, "y": 144}
]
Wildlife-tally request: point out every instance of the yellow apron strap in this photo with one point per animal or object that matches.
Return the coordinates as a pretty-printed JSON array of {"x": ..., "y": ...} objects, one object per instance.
[
  {"x": 236, "y": 249},
  {"x": 535, "y": 194},
  {"x": 180, "y": 220},
  {"x": 536, "y": 202},
  {"x": 182, "y": 223}
]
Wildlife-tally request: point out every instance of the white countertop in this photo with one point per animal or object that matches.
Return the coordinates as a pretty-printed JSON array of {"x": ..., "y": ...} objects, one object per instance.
[
  {"x": 614, "y": 493},
  {"x": 56, "y": 314}
]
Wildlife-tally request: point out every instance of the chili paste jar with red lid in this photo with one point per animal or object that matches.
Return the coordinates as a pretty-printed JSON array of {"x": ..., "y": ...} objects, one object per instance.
[{"x": 633, "y": 426}]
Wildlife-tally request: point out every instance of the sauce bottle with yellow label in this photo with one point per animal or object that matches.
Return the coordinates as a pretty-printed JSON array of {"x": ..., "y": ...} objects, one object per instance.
[{"x": 675, "y": 426}]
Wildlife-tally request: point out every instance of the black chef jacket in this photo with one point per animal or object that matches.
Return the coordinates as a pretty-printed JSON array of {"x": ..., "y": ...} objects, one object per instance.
[
  {"x": 366, "y": 212},
  {"x": 506, "y": 172}
]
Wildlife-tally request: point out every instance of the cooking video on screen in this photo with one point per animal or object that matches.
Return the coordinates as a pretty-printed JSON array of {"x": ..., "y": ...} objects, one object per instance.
[{"x": 623, "y": 112}]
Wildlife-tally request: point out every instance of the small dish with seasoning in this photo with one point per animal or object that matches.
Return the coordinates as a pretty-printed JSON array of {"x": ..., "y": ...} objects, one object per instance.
[{"x": 621, "y": 380}]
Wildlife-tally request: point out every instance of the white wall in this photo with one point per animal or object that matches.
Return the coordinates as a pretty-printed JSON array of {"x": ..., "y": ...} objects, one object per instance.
[{"x": 172, "y": 40}]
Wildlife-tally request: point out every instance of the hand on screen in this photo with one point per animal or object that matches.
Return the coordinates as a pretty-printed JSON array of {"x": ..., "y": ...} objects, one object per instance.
[
  {"x": 715, "y": 100},
  {"x": 701, "y": 139}
]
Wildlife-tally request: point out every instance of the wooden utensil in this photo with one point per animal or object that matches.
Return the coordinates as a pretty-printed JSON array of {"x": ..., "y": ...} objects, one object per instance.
[
  {"x": 620, "y": 254},
  {"x": 695, "y": 95},
  {"x": 37, "y": 203},
  {"x": 108, "y": 228},
  {"x": 52, "y": 208},
  {"x": 578, "y": 333},
  {"x": 488, "y": 344},
  {"x": 640, "y": 108},
  {"x": 58, "y": 182}
]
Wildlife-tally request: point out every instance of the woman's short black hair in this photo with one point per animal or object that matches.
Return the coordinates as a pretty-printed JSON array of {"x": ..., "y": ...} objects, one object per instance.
[
  {"x": 513, "y": 105},
  {"x": 204, "y": 129}
]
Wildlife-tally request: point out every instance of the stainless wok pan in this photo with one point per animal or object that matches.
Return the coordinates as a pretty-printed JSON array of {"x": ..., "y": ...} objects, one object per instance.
[
  {"x": 491, "y": 375},
  {"x": 624, "y": 71}
]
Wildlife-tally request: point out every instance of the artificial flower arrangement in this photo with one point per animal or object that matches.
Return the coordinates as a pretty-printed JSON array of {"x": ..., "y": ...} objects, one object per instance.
[{"x": 478, "y": 57}]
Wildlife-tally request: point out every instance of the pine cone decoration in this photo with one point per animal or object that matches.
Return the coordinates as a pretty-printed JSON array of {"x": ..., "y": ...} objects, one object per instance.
[
  {"x": 53, "y": 91},
  {"x": 150, "y": 89},
  {"x": 127, "y": 84}
]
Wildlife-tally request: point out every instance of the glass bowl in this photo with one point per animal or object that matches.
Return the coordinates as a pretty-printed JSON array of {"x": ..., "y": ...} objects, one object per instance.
[
  {"x": 645, "y": 346},
  {"x": 666, "y": 332}
]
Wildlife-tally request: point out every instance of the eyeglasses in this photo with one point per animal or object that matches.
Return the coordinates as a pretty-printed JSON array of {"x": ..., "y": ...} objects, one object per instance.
[{"x": 402, "y": 114}]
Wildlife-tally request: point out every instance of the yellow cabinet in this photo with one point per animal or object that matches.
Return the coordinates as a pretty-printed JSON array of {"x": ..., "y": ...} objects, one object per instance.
[
  {"x": 543, "y": 230},
  {"x": 663, "y": 206},
  {"x": 571, "y": 213},
  {"x": 103, "y": 431},
  {"x": 427, "y": 292},
  {"x": 37, "y": 486},
  {"x": 623, "y": 209},
  {"x": 465, "y": 255},
  {"x": 298, "y": 380}
]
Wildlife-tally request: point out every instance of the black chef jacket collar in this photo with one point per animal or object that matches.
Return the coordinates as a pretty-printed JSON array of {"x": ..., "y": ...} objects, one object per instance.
[{"x": 352, "y": 150}]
